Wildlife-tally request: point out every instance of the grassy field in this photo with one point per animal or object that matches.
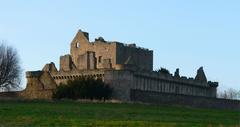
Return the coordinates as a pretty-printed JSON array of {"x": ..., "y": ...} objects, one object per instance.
[{"x": 61, "y": 114}]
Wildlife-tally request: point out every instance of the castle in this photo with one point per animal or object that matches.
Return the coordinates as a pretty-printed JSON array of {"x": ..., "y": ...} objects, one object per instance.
[{"x": 126, "y": 67}]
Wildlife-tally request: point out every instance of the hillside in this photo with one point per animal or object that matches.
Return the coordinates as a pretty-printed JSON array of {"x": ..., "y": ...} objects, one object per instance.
[{"x": 41, "y": 113}]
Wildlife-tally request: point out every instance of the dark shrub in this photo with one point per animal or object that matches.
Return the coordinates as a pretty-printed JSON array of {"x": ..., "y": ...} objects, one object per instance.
[
  {"x": 83, "y": 88},
  {"x": 163, "y": 71}
]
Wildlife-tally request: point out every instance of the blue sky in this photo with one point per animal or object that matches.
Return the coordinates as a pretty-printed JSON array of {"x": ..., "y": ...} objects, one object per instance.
[{"x": 184, "y": 34}]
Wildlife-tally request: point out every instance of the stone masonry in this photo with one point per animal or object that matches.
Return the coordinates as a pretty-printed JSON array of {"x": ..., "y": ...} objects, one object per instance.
[{"x": 125, "y": 67}]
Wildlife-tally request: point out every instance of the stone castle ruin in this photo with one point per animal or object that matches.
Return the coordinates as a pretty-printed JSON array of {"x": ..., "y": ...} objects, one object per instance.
[{"x": 127, "y": 68}]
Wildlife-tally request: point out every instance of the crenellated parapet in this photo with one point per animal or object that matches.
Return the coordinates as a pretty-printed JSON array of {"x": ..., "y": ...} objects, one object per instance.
[{"x": 200, "y": 79}]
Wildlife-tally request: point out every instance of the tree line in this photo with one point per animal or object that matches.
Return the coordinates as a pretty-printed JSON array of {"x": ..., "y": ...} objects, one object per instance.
[{"x": 230, "y": 93}]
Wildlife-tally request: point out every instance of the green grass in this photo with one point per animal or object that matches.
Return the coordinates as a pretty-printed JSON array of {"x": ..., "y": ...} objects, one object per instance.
[{"x": 67, "y": 113}]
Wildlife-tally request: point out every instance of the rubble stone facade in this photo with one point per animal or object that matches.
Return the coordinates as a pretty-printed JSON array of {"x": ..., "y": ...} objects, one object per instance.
[{"x": 125, "y": 67}]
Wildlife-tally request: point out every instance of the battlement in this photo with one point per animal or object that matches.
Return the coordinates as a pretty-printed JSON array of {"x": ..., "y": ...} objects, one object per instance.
[
  {"x": 130, "y": 45},
  {"x": 171, "y": 78}
]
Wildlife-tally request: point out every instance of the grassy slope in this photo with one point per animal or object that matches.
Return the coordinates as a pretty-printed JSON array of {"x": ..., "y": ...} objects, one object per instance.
[{"x": 14, "y": 113}]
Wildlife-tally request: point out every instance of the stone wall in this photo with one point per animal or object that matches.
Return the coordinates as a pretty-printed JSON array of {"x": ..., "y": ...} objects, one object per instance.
[
  {"x": 103, "y": 50},
  {"x": 121, "y": 82},
  {"x": 40, "y": 85},
  {"x": 63, "y": 77},
  {"x": 176, "y": 99},
  {"x": 109, "y": 54},
  {"x": 156, "y": 82},
  {"x": 128, "y": 54},
  {"x": 86, "y": 61},
  {"x": 66, "y": 63}
]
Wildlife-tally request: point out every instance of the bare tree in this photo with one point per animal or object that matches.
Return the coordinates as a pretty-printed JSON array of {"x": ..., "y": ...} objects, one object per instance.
[
  {"x": 229, "y": 94},
  {"x": 10, "y": 70},
  {"x": 238, "y": 95}
]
